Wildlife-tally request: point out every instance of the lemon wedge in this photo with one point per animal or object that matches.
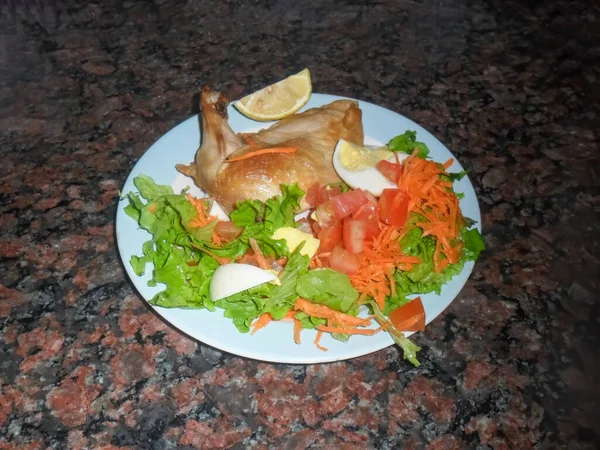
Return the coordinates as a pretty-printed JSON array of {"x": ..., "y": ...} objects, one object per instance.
[{"x": 278, "y": 100}]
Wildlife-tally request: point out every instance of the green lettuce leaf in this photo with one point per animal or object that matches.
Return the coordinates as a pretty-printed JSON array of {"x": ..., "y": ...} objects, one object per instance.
[
  {"x": 283, "y": 297},
  {"x": 408, "y": 347},
  {"x": 309, "y": 322},
  {"x": 149, "y": 189},
  {"x": 242, "y": 308},
  {"x": 474, "y": 244},
  {"x": 406, "y": 143},
  {"x": 330, "y": 288},
  {"x": 260, "y": 220},
  {"x": 184, "y": 271},
  {"x": 422, "y": 278}
]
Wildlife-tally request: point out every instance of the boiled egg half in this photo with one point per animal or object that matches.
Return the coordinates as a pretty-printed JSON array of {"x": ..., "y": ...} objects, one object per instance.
[
  {"x": 355, "y": 165},
  {"x": 230, "y": 279}
]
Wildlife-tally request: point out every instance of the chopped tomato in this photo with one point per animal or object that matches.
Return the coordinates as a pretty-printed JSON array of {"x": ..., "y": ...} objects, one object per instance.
[
  {"x": 328, "y": 192},
  {"x": 314, "y": 225},
  {"x": 393, "y": 207},
  {"x": 341, "y": 206},
  {"x": 390, "y": 170},
  {"x": 343, "y": 261},
  {"x": 325, "y": 215},
  {"x": 312, "y": 194},
  {"x": 355, "y": 231},
  {"x": 318, "y": 194},
  {"x": 368, "y": 212},
  {"x": 227, "y": 230},
  {"x": 409, "y": 317},
  {"x": 330, "y": 237}
]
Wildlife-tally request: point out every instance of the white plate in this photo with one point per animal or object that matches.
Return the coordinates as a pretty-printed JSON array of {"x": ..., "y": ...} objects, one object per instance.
[{"x": 275, "y": 342}]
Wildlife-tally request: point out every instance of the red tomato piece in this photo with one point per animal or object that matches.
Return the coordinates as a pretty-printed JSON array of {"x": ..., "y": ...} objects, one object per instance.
[
  {"x": 393, "y": 207},
  {"x": 330, "y": 237},
  {"x": 325, "y": 215},
  {"x": 312, "y": 195},
  {"x": 355, "y": 231},
  {"x": 409, "y": 317},
  {"x": 319, "y": 194},
  {"x": 227, "y": 230},
  {"x": 343, "y": 261},
  {"x": 328, "y": 192},
  {"x": 390, "y": 170},
  {"x": 341, "y": 206},
  {"x": 314, "y": 225},
  {"x": 368, "y": 212}
]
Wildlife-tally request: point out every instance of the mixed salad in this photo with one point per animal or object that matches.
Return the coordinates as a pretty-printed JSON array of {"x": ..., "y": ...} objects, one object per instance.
[{"x": 351, "y": 250}]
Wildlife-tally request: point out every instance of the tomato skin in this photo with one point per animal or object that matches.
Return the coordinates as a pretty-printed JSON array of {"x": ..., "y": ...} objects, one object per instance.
[
  {"x": 341, "y": 206},
  {"x": 314, "y": 225},
  {"x": 325, "y": 215},
  {"x": 227, "y": 230},
  {"x": 343, "y": 261},
  {"x": 393, "y": 207},
  {"x": 390, "y": 170},
  {"x": 312, "y": 195},
  {"x": 328, "y": 192},
  {"x": 409, "y": 317},
  {"x": 355, "y": 231},
  {"x": 318, "y": 194},
  {"x": 368, "y": 212},
  {"x": 329, "y": 237}
]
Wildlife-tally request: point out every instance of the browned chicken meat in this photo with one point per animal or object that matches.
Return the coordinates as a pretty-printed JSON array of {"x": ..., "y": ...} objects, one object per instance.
[{"x": 314, "y": 133}]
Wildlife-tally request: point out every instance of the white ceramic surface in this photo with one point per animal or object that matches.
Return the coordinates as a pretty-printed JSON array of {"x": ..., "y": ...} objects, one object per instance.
[{"x": 275, "y": 342}]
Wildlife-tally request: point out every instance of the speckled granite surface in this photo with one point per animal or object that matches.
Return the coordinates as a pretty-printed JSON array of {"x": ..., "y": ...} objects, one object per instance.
[{"x": 513, "y": 89}]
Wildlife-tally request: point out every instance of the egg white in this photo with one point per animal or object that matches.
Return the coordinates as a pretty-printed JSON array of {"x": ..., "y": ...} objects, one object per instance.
[{"x": 230, "y": 279}]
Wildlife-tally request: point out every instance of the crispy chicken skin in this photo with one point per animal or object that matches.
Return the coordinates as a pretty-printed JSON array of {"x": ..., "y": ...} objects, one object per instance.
[{"x": 314, "y": 133}]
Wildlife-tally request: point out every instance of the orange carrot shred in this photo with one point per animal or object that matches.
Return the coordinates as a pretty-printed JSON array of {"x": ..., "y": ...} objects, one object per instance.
[
  {"x": 152, "y": 208},
  {"x": 297, "y": 330},
  {"x": 448, "y": 163},
  {"x": 324, "y": 312},
  {"x": 263, "y": 151},
  {"x": 349, "y": 330},
  {"x": 261, "y": 322},
  {"x": 248, "y": 140},
  {"x": 318, "y": 340},
  {"x": 260, "y": 258}
]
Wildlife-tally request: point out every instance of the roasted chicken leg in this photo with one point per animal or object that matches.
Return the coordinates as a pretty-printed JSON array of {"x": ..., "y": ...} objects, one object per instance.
[{"x": 314, "y": 133}]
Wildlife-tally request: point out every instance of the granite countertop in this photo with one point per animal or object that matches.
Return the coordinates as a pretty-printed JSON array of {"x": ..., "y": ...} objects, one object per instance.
[{"x": 511, "y": 87}]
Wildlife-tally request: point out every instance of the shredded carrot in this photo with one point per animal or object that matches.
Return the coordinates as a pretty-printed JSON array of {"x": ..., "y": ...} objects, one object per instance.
[
  {"x": 297, "y": 330},
  {"x": 260, "y": 258},
  {"x": 261, "y": 322},
  {"x": 349, "y": 330},
  {"x": 263, "y": 151},
  {"x": 203, "y": 218},
  {"x": 432, "y": 197},
  {"x": 290, "y": 315},
  {"x": 281, "y": 261},
  {"x": 152, "y": 208},
  {"x": 248, "y": 140},
  {"x": 381, "y": 256},
  {"x": 324, "y": 312},
  {"x": 318, "y": 340}
]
